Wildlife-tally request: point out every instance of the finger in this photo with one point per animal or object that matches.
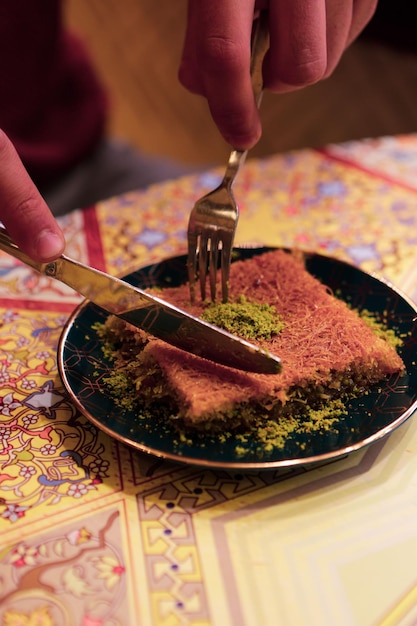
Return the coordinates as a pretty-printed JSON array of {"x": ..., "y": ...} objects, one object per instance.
[
  {"x": 345, "y": 20},
  {"x": 298, "y": 51},
  {"x": 23, "y": 210},
  {"x": 219, "y": 41},
  {"x": 363, "y": 11},
  {"x": 339, "y": 20},
  {"x": 188, "y": 73}
]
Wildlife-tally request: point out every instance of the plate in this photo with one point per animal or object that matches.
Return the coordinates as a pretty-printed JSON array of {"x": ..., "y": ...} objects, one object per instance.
[{"x": 82, "y": 367}]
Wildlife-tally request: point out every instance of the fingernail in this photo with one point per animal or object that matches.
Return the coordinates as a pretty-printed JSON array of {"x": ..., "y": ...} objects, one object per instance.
[{"x": 49, "y": 245}]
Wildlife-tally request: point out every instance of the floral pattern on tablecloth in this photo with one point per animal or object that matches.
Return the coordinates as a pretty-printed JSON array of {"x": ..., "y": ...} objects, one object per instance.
[
  {"x": 49, "y": 454},
  {"x": 94, "y": 533},
  {"x": 393, "y": 158},
  {"x": 304, "y": 199},
  {"x": 73, "y": 574}
]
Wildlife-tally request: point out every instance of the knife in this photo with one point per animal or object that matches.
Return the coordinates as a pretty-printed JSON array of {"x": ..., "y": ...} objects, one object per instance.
[{"x": 152, "y": 314}]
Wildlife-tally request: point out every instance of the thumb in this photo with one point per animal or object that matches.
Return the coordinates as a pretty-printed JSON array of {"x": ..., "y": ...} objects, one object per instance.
[{"x": 23, "y": 211}]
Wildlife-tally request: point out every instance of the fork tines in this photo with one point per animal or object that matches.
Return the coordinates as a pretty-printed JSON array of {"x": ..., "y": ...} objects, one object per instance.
[{"x": 209, "y": 255}]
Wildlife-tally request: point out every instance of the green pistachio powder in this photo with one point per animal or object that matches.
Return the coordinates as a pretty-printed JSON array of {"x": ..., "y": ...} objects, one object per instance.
[{"x": 250, "y": 320}]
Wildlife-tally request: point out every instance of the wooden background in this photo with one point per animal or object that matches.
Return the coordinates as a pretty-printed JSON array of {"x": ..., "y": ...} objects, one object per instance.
[{"x": 136, "y": 45}]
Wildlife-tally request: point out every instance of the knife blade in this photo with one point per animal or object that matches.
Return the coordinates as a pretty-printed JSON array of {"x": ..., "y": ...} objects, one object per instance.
[{"x": 152, "y": 314}]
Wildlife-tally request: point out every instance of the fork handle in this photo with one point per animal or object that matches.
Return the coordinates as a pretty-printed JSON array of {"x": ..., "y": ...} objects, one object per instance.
[{"x": 260, "y": 44}]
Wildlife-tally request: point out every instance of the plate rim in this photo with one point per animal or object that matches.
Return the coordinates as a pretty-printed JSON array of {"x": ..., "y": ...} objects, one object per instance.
[{"x": 241, "y": 465}]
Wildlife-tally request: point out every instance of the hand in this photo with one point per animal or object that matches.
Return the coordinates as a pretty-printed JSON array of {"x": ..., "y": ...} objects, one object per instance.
[
  {"x": 307, "y": 39},
  {"x": 23, "y": 211}
]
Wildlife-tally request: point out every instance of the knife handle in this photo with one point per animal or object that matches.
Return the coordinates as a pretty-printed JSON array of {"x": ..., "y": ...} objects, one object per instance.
[
  {"x": 110, "y": 293},
  {"x": 8, "y": 245},
  {"x": 56, "y": 269}
]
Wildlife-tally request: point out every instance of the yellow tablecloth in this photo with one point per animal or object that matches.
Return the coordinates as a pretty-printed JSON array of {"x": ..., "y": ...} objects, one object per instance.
[{"x": 94, "y": 533}]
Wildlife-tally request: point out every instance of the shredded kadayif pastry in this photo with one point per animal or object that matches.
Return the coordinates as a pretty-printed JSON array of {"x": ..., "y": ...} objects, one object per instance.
[{"x": 329, "y": 353}]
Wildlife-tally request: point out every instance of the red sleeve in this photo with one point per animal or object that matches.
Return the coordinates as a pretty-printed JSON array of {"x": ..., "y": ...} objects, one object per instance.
[{"x": 52, "y": 106}]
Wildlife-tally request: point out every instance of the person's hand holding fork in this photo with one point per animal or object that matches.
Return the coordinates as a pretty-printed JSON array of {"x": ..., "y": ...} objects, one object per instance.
[{"x": 307, "y": 40}]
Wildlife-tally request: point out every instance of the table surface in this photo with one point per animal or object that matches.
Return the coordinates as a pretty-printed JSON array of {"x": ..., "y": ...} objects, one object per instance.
[{"x": 95, "y": 533}]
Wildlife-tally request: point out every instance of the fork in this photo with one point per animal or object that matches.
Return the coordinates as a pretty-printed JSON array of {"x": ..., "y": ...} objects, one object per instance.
[{"x": 213, "y": 219}]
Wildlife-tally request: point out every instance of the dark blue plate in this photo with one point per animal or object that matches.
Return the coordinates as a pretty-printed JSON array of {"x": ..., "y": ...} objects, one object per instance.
[{"x": 82, "y": 367}]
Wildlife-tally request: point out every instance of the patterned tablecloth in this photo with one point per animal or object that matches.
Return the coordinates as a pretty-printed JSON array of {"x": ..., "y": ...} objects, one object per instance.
[{"x": 96, "y": 534}]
